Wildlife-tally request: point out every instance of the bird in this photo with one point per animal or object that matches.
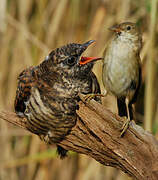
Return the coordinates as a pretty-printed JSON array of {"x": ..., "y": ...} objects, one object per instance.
[
  {"x": 121, "y": 71},
  {"x": 47, "y": 95}
]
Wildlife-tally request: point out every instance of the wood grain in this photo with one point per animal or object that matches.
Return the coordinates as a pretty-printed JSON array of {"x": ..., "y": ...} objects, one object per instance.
[{"x": 97, "y": 134}]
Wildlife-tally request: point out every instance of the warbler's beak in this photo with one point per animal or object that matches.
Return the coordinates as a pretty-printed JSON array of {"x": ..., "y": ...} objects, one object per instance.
[
  {"x": 116, "y": 29},
  {"x": 85, "y": 60}
]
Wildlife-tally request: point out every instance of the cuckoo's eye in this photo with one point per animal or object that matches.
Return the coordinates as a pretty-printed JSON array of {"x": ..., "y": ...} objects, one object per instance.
[
  {"x": 71, "y": 61},
  {"x": 128, "y": 28}
]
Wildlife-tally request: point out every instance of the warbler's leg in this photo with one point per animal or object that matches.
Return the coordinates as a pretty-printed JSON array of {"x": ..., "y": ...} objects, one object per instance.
[{"x": 127, "y": 120}]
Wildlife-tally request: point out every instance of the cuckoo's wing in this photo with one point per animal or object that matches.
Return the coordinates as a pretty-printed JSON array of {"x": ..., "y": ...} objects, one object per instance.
[{"x": 25, "y": 82}]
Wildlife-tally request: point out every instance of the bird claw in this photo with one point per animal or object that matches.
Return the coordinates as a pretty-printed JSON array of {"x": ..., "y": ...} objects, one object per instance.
[
  {"x": 20, "y": 114},
  {"x": 125, "y": 126},
  {"x": 44, "y": 138},
  {"x": 89, "y": 97}
]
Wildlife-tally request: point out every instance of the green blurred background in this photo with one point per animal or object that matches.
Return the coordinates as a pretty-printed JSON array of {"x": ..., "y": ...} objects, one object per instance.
[{"x": 29, "y": 30}]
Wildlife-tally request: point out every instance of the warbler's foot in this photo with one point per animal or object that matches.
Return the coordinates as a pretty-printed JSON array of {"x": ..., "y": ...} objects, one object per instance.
[
  {"x": 125, "y": 126},
  {"x": 89, "y": 97}
]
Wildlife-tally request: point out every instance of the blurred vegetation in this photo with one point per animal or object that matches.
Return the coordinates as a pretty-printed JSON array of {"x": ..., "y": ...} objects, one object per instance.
[{"x": 29, "y": 30}]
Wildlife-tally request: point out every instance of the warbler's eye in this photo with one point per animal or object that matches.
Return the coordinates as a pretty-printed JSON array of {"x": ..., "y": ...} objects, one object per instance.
[
  {"x": 128, "y": 28},
  {"x": 71, "y": 61}
]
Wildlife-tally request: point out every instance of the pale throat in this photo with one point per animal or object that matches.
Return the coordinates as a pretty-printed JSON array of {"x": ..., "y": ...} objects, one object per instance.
[{"x": 128, "y": 40}]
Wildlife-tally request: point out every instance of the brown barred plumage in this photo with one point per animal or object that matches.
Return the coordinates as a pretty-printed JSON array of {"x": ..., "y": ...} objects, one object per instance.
[{"x": 47, "y": 94}]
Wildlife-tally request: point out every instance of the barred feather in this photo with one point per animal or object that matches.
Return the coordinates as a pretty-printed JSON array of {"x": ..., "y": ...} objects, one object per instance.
[{"x": 47, "y": 94}]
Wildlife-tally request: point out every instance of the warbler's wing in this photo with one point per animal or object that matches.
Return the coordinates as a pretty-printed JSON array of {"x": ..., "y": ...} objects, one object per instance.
[{"x": 134, "y": 99}]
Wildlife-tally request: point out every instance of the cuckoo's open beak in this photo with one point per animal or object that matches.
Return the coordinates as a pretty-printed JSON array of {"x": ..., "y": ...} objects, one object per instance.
[{"x": 85, "y": 60}]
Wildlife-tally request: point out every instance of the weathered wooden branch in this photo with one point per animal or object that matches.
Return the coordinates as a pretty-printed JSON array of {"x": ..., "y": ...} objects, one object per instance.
[{"x": 97, "y": 134}]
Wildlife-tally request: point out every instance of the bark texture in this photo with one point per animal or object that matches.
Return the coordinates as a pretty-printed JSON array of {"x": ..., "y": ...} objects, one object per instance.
[{"x": 97, "y": 134}]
